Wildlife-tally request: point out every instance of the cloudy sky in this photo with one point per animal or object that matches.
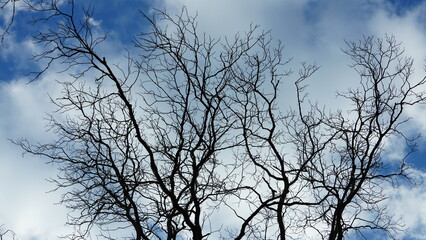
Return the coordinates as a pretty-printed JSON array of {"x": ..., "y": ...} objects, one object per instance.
[{"x": 311, "y": 30}]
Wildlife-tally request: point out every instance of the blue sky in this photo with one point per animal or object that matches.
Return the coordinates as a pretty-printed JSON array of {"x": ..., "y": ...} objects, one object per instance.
[{"x": 311, "y": 30}]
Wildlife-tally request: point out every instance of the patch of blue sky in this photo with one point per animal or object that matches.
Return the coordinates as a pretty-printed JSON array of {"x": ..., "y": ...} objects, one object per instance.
[
  {"x": 418, "y": 159},
  {"x": 122, "y": 27},
  {"x": 360, "y": 10},
  {"x": 400, "y": 7}
]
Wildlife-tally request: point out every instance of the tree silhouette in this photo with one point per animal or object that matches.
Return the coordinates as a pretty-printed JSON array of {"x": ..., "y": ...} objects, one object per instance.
[{"x": 189, "y": 127}]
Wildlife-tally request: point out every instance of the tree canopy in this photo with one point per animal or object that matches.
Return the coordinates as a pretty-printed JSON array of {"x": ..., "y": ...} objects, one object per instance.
[{"x": 187, "y": 137}]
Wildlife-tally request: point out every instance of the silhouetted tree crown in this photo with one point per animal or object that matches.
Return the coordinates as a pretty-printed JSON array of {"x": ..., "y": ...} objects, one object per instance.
[{"x": 186, "y": 138}]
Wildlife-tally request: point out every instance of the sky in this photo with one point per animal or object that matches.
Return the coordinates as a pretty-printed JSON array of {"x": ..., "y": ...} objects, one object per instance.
[{"x": 311, "y": 30}]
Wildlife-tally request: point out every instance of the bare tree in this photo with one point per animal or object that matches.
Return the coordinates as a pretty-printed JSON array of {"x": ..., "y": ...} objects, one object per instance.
[
  {"x": 354, "y": 174},
  {"x": 190, "y": 126}
]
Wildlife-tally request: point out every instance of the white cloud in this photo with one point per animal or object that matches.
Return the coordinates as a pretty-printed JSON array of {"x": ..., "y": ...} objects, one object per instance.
[
  {"x": 406, "y": 203},
  {"x": 93, "y": 22},
  {"x": 27, "y": 209},
  {"x": 407, "y": 29}
]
